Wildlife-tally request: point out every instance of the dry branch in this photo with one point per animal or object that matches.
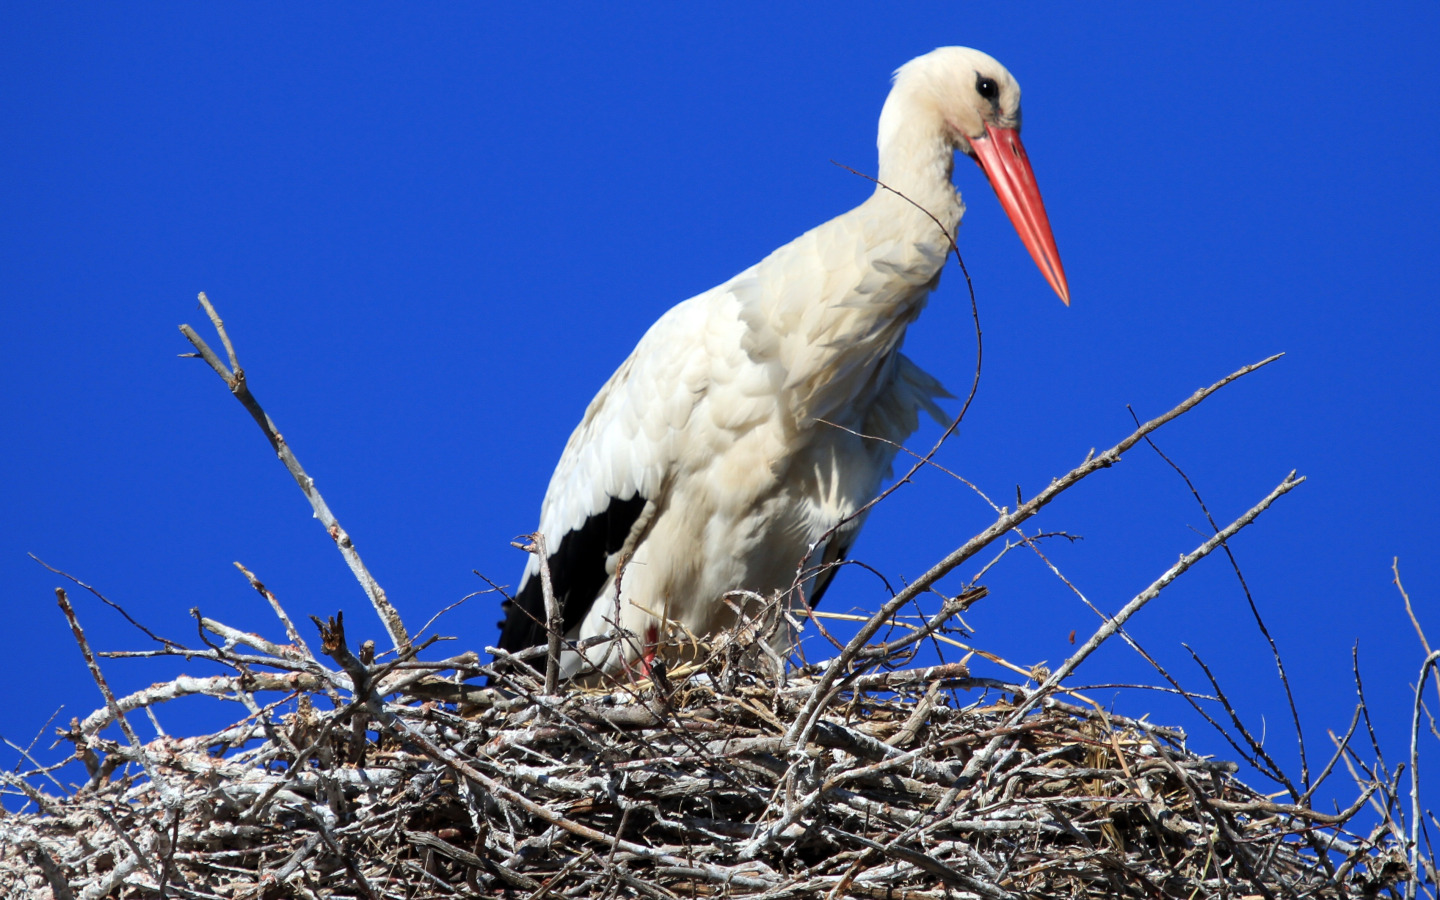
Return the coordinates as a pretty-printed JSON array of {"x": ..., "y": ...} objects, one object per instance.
[{"x": 234, "y": 378}]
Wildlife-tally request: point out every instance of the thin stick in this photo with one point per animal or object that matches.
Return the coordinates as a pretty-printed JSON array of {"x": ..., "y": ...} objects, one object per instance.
[
  {"x": 108, "y": 602},
  {"x": 290, "y": 630},
  {"x": 1057, "y": 487},
  {"x": 171, "y": 798},
  {"x": 920, "y": 461},
  {"x": 1250, "y": 599},
  {"x": 554, "y": 623},
  {"x": 1414, "y": 850},
  {"x": 1108, "y": 629},
  {"x": 1410, "y": 611},
  {"x": 234, "y": 378}
]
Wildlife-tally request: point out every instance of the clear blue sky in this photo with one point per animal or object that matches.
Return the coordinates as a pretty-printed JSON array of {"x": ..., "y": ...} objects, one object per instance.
[{"x": 435, "y": 231}]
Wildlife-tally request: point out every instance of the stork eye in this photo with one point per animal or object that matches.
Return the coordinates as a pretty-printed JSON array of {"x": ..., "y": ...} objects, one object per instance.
[{"x": 987, "y": 87}]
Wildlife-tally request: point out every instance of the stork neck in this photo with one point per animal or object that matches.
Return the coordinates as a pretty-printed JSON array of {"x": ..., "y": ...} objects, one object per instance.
[
  {"x": 917, "y": 194},
  {"x": 917, "y": 158}
]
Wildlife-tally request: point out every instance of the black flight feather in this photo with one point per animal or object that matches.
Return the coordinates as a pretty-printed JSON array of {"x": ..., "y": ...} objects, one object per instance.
[{"x": 577, "y": 574}]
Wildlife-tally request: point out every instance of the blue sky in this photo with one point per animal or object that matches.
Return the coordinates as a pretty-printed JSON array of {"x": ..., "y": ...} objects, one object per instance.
[{"x": 434, "y": 232}]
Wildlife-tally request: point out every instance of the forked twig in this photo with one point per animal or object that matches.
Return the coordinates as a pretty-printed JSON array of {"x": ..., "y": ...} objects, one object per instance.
[{"x": 234, "y": 378}]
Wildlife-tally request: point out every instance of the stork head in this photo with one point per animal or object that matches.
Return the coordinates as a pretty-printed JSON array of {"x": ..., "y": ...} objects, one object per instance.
[{"x": 974, "y": 104}]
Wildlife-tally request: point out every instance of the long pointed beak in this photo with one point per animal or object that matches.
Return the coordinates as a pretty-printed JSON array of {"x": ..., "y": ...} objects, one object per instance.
[{"x": 1002, "y": 157}]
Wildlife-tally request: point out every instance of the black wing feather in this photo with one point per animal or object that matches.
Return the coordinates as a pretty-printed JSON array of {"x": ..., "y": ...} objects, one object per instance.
[
  {"x": 577, "y": 574},
  {"x": 832, "y": 567}
]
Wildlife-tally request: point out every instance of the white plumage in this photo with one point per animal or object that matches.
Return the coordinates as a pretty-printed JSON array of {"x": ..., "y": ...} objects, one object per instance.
[{"x": 722, "y": 449}]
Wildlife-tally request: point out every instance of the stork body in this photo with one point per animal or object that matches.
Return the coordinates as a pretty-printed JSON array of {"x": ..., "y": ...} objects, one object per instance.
[{"x": 752, "y": 422}]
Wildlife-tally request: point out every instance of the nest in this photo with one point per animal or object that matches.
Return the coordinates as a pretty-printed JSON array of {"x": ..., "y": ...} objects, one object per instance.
[
  {"x": 727, "y": 777},
  {"x": 732, "y": 774}
]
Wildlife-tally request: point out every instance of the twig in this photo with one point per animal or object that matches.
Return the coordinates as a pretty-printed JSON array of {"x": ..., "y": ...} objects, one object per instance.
[
  {"x": 1260, "y": 758},
  {"x": 1426, "y": 669},
  {"x": 922, "y": 461},
  {"x": 979, "y": 349},
  {"x": 1249, "y": 599},
  {"x": 290, "y": 630},
  {"x": 172, "y": 799},
  {"x": 1342, "y": 743},
  {"x": 1105, "y": 631},
  {"x": 108, "y": 602},
  {"x": 1410, "y": 611},
  {"x": 234, "y": 378},
  {"x": 554, "y": 623},
  {"x": 1057, "y": 487}
]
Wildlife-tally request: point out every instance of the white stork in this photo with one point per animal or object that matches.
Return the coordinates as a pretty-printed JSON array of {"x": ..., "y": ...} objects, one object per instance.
[{"x": 733, "y": 437}]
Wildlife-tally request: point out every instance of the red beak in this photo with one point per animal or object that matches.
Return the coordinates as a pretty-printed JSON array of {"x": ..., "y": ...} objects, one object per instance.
[{"x": 1003, "y": 158}]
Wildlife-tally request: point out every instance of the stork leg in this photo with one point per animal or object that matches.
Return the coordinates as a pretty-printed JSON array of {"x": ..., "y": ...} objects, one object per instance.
[{"x": 652, "y": 647}]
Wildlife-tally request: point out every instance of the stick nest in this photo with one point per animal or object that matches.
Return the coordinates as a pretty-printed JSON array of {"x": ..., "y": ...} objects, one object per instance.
[{"x": 732, "y": 777}]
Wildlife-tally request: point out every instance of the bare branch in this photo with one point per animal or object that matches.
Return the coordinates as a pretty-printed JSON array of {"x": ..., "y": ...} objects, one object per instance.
[
  {"x": 234, "y": 379},
  {"x": 1254, "y": 609},
  {"x": 290, "y": 630},
  {"x": 1105, "y": 631},
  {"x": 1427, "y": 668},
  {"x": 554, "y": 623},
  {"x": 172, "y": 799}
]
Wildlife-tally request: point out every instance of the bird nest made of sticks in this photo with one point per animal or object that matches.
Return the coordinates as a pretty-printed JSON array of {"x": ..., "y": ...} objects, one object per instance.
[{"x": 726, "y": 776}]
